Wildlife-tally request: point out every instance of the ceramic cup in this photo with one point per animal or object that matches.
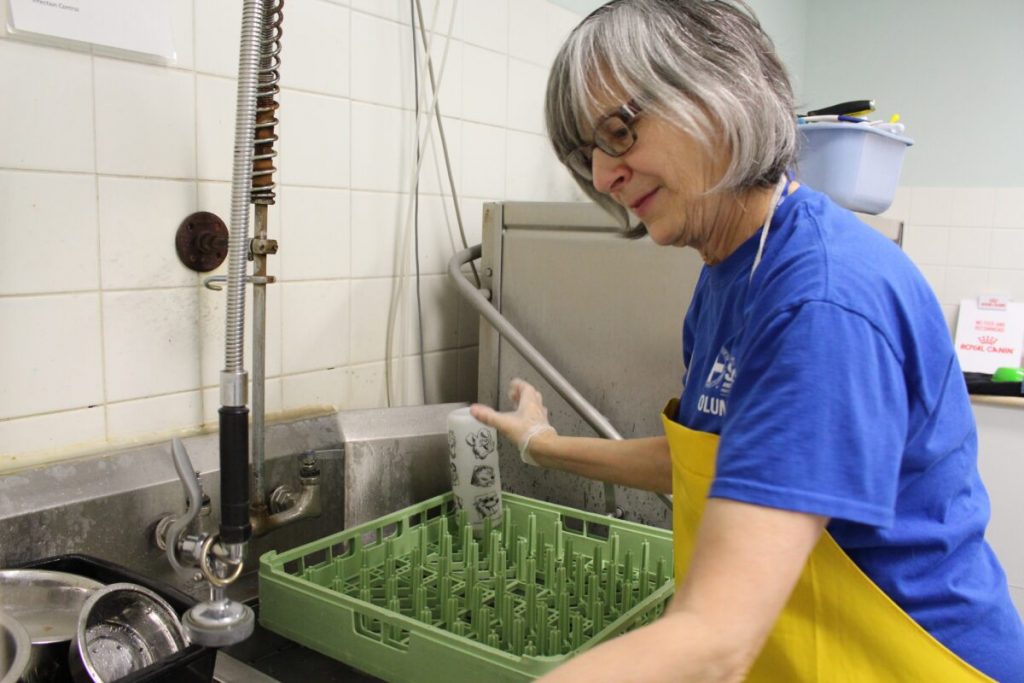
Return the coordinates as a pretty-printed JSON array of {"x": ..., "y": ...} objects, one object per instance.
[{"x": 473, "y": 457}]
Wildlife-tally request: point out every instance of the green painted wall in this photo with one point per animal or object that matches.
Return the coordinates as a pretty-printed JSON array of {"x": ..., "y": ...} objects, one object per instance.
[{"x": 953, "y": 70}]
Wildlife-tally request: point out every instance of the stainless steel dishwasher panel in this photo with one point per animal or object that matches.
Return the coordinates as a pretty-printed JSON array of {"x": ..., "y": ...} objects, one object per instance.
[{"x": 606, "y": 311}]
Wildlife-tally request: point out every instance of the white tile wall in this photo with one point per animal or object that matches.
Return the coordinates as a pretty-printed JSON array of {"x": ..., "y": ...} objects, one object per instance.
[
  {"x": 315, "y": 227},
  {"x": 483, "y": 160},
  {"x": 145, "y": 120},
  {"x": 137, "y": 217},
  {"x": 215, "y": 126},
  {"x": 485, "y": 23},
  {"x": 314, "y": 145},
  {"x": 381, "y": 46},
  {"x": 315, "y": 325},
  {"x": 52, "y": 355},
  {"x": 318, "y": 40},
  {"x": 47, "y": 108},
  {"x": 151, "y": 342},
  {"x": 486, "y": 99},
  {"x": 966, "y": 240},
  {"x": 158, "y": 415},
  {"x": 51, "y": 436},
  {"x": 46, "y": 245}
]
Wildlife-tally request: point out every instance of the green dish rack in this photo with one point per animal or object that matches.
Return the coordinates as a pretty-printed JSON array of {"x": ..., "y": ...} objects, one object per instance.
[{"x": 418, "y": 596}]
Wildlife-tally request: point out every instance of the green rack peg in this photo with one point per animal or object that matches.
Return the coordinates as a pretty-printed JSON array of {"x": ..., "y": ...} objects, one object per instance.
[
  {"x": 659, "y": 574},
  {"x": 506, "y": 522},
  {"x": 500, "y": 589},
  {"x": 577, "y": 630},
  {"x": 549, "y": 568},
  {"x": 531, "y": 604},
  {"x": 467, "y": 538},
  {"x": 492, "y": 549},
  {"x": 470, "y": 568},
  {"x": 483, "y": 623},
  {"x": 522, "y": 548},
  {"x": 563, "y": 617},
  {"x": 627, "y": 582},
  {"x": 580, "y": 575},
  {"x": 540, "y": 621},
  {"x": 518, "y": 635},
  {"x": 554, "y": 645}
]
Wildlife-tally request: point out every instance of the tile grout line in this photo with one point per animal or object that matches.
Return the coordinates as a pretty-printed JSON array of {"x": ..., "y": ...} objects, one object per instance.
[{"x": 99, "y": 252}]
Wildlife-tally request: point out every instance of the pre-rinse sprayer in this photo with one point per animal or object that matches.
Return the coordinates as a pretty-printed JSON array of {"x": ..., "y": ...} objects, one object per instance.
[{"x": 219, "y": 557}]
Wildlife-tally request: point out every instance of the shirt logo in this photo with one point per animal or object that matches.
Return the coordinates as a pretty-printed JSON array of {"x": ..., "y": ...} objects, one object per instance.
[
  {"x": 722, "y": 375},
  {"x": 718, "y": 385}
]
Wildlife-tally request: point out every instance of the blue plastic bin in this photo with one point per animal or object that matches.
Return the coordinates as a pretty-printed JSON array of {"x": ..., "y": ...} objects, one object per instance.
[{"x": 856, "y": 164}]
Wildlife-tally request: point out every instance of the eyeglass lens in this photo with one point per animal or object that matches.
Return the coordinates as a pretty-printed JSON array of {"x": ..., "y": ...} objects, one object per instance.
[{"x": 613, "y": 136}]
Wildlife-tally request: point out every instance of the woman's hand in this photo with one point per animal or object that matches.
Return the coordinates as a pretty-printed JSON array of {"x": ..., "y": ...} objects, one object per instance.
[{"x": 527, "y": 421}]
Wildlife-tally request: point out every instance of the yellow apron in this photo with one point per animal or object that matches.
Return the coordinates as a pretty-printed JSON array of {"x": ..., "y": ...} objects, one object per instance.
[{"x": 838, "y": 626}]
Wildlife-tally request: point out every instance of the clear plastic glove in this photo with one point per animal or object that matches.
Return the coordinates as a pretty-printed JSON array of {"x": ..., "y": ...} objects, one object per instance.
[{"x": 529, "y": 419}]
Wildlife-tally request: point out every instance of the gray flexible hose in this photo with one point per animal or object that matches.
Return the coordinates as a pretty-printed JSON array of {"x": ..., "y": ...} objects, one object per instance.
[
  {"x": 183, "y": 465},
  {"x": 241, "y": 186}
]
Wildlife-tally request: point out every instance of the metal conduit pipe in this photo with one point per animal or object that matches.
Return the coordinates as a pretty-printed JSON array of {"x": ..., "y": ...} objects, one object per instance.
[{"x": 588, "y": 412}]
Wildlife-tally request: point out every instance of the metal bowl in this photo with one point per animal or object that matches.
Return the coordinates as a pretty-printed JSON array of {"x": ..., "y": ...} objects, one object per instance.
[
  {"x": 47, "y": 604},
  {"x": 123, "y": 628},
  {"x": 14, "y": 649}
]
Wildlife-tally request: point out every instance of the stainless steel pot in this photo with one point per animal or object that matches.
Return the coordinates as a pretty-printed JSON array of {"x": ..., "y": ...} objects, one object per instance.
[
  {"x": 123, "y": 628},
  {"x": 14, "y": 649},
  {"x": 47, "y": 604}
]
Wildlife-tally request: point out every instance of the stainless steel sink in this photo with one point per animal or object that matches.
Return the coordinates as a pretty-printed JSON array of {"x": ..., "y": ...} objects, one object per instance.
[{"x": 266, "y": 657}]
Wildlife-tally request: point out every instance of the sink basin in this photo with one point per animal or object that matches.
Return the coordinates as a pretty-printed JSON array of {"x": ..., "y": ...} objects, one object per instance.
[{"x": 266, "y": 656}]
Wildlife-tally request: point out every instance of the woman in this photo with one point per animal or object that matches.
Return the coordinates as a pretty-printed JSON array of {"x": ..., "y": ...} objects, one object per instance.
[{"x": 828, "y": 514}]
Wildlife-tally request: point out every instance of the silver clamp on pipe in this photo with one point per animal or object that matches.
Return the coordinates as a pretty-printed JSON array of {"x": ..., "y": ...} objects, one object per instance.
[
  {"x": 234, "y": 388},
  {"x": 213, "y": 282}
]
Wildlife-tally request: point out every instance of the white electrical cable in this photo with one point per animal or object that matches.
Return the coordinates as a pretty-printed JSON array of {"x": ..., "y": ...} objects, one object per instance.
[{"x": 403, "y": 252}]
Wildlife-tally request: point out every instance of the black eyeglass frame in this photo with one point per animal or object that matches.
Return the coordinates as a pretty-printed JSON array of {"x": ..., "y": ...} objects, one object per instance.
[{"x": 581, "y": 159}]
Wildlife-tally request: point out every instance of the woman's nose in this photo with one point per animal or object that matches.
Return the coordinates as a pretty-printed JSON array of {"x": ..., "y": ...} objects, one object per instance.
[{"x": 610, "y": 173}]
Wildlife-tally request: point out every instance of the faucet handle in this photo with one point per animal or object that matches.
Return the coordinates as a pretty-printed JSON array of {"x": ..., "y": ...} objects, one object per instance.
[{"x": 194, "y": 501}]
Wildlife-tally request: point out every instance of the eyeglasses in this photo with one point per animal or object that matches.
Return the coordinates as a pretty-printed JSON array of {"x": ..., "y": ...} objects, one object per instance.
[{"x": 613, "y": 135}]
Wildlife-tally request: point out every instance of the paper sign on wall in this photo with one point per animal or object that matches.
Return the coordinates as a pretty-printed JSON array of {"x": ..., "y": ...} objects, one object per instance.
[
  {"x": 141, "y": 26},
  {"x": 989, "y": 334}
]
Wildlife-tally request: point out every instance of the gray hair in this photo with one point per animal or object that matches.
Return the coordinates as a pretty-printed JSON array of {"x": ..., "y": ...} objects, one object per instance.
[{"x": 706, "y": 66}]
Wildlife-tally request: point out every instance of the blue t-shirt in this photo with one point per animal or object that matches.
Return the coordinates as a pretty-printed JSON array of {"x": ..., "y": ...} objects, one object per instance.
[{"x": 832, "y": 381}]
